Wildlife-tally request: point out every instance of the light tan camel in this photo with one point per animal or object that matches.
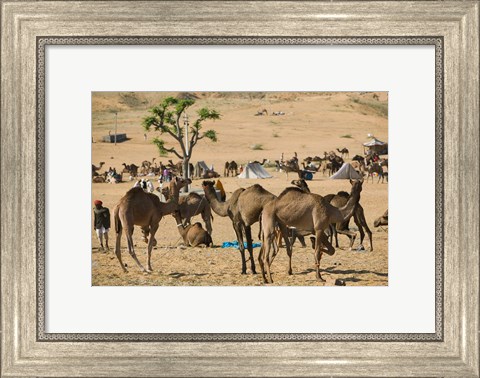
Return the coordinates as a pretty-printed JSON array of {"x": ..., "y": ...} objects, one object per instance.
[
  {"x": 143, "y": 209},
  {"x": 382, "y": 221},
  {"x": 243, "y": 208},
  {"x": 191, "y": 205},
  {"x": 194, "y": 235},
  {"x": 307, "y": 212},
  {"x": 96, "y": 169}
]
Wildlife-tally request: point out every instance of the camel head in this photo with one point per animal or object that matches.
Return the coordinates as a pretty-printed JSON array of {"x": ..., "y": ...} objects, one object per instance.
[
  {"x": 382, "y": 221},
  {"x": 356, "y": 185},
  {"x": 208, "y": 185}
]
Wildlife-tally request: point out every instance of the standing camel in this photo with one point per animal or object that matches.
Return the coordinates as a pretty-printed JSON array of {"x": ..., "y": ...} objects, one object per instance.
[
  {"x": 191, "y": 205},
  {"x": 307, "y": 212},
  {"x": 230, "y": 167},
  {"x": 243, "y": 208},
  {"x": 338, "y": 200},
  {"x": 143, "y": 209}
]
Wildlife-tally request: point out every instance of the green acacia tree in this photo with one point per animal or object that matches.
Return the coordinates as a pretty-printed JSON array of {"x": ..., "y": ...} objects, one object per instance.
[{"x": 167, "y": 118}]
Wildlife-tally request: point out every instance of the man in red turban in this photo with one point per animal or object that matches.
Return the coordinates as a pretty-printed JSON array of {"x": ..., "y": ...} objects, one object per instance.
[{"x": 101, "y": 222}]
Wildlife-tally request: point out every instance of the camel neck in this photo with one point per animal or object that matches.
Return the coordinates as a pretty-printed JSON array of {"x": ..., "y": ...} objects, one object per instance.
[{"x": 220, "y": 208}]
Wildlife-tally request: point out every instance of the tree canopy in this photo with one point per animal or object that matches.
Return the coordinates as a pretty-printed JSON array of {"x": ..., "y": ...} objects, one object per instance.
[{"x": 166, "y": 118}]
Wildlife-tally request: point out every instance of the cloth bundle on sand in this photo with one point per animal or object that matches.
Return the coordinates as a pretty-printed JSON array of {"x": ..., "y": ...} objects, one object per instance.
[{"x": 234, "y": 244}]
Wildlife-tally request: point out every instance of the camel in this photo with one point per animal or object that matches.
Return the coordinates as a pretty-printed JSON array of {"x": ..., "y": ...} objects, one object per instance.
[
  {"x": 194, "y": 235},
  {"x": 382, "y": 221},
  {"x": 375, "y": 168},
  {"x": 132, "y": 169},
  {"x": 96, "y": 169},
  {"x": 344, "y": 151},
  {"x": 145, "y": 210},
  {"x": 339, "y": 200},
  {"x": 230, "y": 167},
  {"x": 288, "y": 167},
  {"x": 243, "y": 208},
  {"x": 191, "y": 205},
  {"x": 98, "y": 179},
  {"x": 257, "y": 162},
  {"x": 307, "y": 212}
]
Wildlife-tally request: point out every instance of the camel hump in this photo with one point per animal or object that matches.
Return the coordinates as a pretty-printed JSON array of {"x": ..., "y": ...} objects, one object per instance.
[
  {"x": 343, "y": 194},
  {"x": 290, "y": 189},
  {"x": 197, "y": 224}
]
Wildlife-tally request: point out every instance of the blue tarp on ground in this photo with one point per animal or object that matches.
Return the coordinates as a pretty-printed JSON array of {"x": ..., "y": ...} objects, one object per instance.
[{"x": 234, "y": 244}]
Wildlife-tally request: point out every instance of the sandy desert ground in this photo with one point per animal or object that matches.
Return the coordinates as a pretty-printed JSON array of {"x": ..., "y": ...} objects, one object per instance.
[{"x": 313, "y": 123}]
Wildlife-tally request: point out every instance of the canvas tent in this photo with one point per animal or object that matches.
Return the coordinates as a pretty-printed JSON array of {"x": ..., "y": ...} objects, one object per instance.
[
  {"x": 377, "y": 146},
  {"x": 254, "y": 171},
  {"x": 200, "y": 169},
  {"x": 346, "y": 172}
]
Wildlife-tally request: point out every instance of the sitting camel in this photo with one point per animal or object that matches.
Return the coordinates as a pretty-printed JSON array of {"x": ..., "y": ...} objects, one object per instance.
[
  {"x": 96, "y": 169},
  {"x": 143, "y": 209},
  {"x": 194, "y": 235},
  {"x": 191, "y": 205},
  {"x": 382, "y": 221},
  {"x": 307, "y": 212}
]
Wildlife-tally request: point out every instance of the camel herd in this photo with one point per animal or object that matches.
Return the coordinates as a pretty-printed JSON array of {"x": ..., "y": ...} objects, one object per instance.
[{"x": 294, "y": 213}]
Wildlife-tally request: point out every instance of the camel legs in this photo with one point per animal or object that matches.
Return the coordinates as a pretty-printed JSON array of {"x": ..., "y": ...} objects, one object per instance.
[
  {"x": 118, "y": 253},
  {"x": 131, "y": 250},
  {"x": 288, "y": 246},
  {"x": 351, "y": 235},
  {"x": 361, "y": 222},
  {"x": 153, "y": 230},
  {"x": 321, "y": 245},
  {"x": 207, "y": 218},
  {"x": 248, "y": 236},
  {"x": 237, "y": 226}
]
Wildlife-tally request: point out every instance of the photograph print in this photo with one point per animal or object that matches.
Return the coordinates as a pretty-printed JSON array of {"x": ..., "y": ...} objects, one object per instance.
[{"x": 239, "y": 189}]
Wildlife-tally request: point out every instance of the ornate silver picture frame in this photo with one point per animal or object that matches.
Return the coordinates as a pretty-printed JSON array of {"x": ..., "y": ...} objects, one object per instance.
[{"x": 27, "y": 28}]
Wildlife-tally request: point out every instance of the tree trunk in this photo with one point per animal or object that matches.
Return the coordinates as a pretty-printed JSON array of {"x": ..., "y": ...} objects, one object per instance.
[{"x": 186, "y": 163}]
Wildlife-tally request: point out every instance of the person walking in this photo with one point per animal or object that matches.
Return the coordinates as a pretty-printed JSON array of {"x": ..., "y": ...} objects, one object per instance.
[{"x": 101, "y": 223}]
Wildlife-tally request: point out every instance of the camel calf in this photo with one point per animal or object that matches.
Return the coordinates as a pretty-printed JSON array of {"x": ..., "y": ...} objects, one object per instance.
[{"x": 194, "y": 235}]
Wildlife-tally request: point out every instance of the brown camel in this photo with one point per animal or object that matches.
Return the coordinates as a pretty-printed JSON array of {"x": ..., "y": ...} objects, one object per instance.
[
  {"x": 194, "y": 235},
  {"x": 257, "y": 162},
  {"x": 243, "y": 208},
  {"x": 191, "y": 205},
  {"x": 96, "y": 169},
  {"x": 132, "y": 169},
  {"x": 307, "y": 212},
  {"x": 344, "y": 152},
  {"x": 143, "y": 209},
  {"x": 375, "y": 168},
  {"x": 288, "y": 167},
  {"x": 382, "y": 221},
  {"x": 338, "y": 200},
  {"x": 230, "y": 167}
]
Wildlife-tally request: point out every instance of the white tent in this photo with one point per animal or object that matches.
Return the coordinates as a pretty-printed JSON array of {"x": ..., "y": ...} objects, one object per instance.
[
  {"x": 374, "y": 142},
  {"x": 254, "y": 171},
  {"x": 346, "y": 172}
]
